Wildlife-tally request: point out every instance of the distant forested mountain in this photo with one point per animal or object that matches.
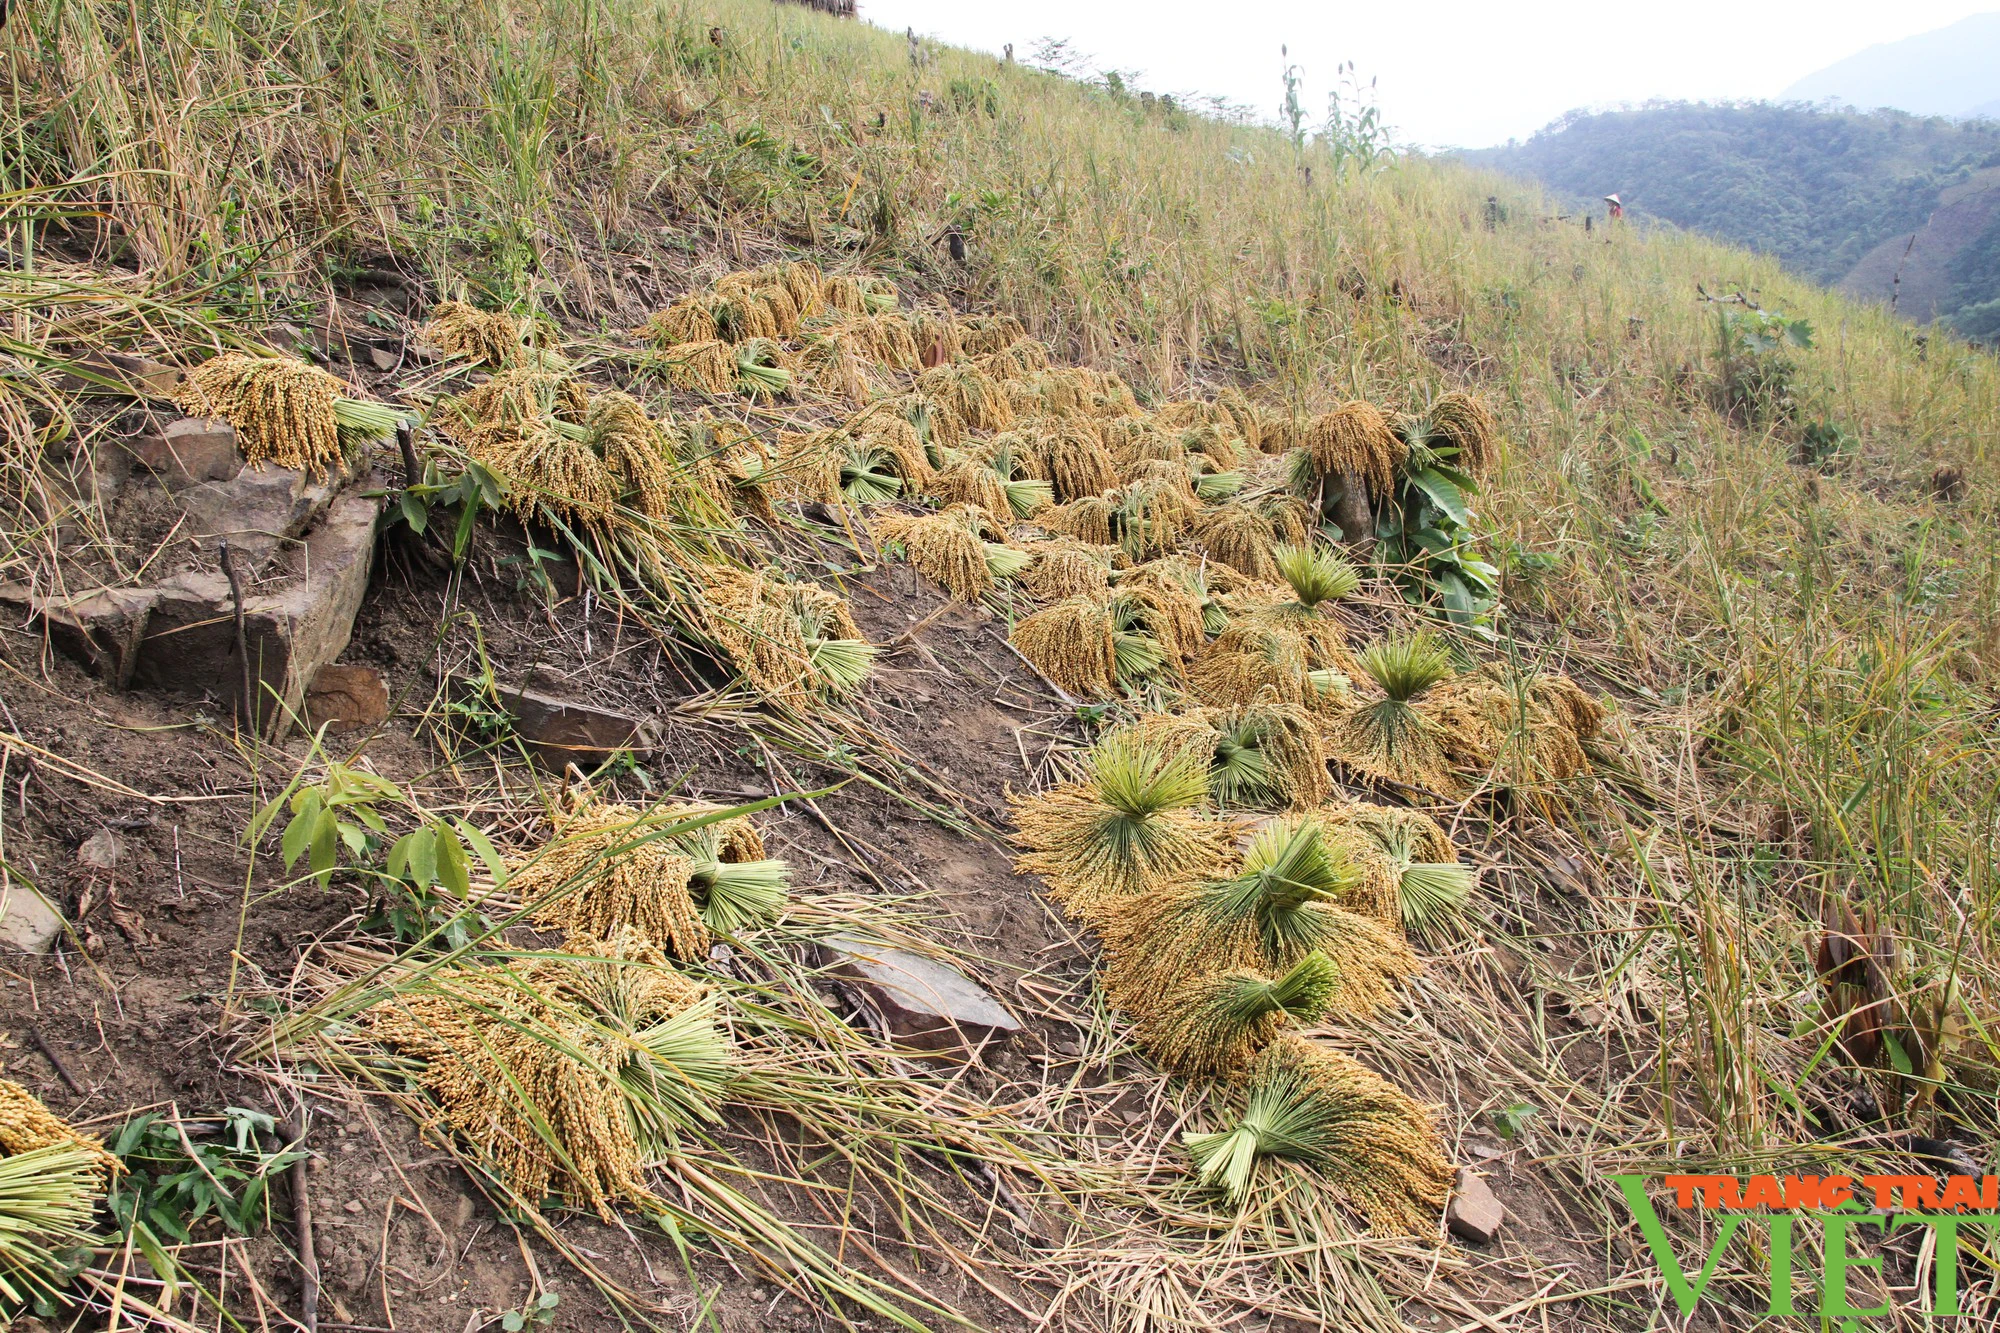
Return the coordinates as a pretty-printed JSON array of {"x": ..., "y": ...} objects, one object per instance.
[{"x": 1882, "y": 203}]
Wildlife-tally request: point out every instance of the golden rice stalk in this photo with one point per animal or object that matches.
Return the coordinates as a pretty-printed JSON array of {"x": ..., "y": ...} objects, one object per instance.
[
  {"x": 1493, "y": 726},
  {"x": 1109, "y": 395},
  {"x": 1225, "y": 1019},
  {"x": 984, "y": 334},
  {"x": 1216, "y": 442},
  {"x": 1313, "y": 1115},
  {"x": 1241, "y": 538},
  {"x": 1282, "y": 904},
  {"x": 1244, "y": 416},
  {"x": 599, "y": 877},
  {"x": 1018, "y": 359},
  {"x": 27, "y": 1126},
  {"x": 1355, "y": 438},
  {"x": 1074, "y": 459},
  {"x": 635, "y": 449},
  {"x": 545, "y": 464},
  {"x": 1086, "y": 519},
  {"x": 1290, "y": 517},
  {"x": 1073, "y": 643},
  {"x": 942, "y": 549},
  {"x": 898, "y": 439},
  {"x": 1066, "y": 568},
  {"x": 1265, "y": 754},
  {"x": 970, "y": 480},
  {"x": 1133, "y": 438},
  {"x": 974, "y": 397},
  {"x": 704, "y": 367},
  {"x": 480, "y": 337},
  {"x": 1467, "y": 424},
  {"x": 688, "y": 320},
  {"x": 1251, "y": 660},
  {"x": 524, "y": 1063},
  {"x": 1414, "y": 830},
  {"x": 1151, "y": 515},
  {"x": 281, "y": 407},
  {"x": 1176, "y": 416},
  {"x": 937, "y": 338},
  {"x": 776, "y": 633},
  {"x": 1131, "y": 827},
  {"x": 516, "y": 398},
  {"x": 1280, "y": 430},
  {"x": 1325, "y": 637},
  {"x": 842, "y": 292}
]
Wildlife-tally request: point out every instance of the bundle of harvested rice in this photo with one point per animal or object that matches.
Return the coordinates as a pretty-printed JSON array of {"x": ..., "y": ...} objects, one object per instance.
[
  {"x": 1259, "y": 755},
  {"x": 898, "y": 439},
  {"x": 736, "y": 884},
  {"x": 1314, "y": 1115},
  {"x": 1086, "y": 519},
  {"x": 1212, "y": 440},
  {"x": 1132, "y": 438},
  {"x": 635, "y": 449},
  {"x": 283, "y": 409},
  {"x": 1131, "y": 827},
  {"x": 984, "y": 334},
  {"x": 1225, "y": 1019},
  {"x": 608, "y": 871},
  {"x": 1513, "y": 729},
  {"x": 831, "y": 364},
  {"x": 1317, "y": 575},
  {"x": 1061, "y": 567},
  {"x": 859, "y": 295},
  {"x": 1283, "y": 904},
  {"x": 1018, "y": 359},
  {"x": 1238, "y": 536},
  {"x": 749, "y": 305},
  {"x": 944, "y": 549},
  {"x": 1072, "y": 456},
  {"x": 1290, "y": 517},
  {"x": 550, "y": 463},
  {"x": 1244, "y": 416},
  {"x": 1467, "y": 428},
  {"x": 1393, "y": 737},
  {"x": 1073, "y": 643},
  {"x": 1150, "y": 516},
  {"x": 974, "y": 397},
  {"x": 51, "y": 1182},
  {"x": 1355, "y": 440},
  {"x": 1250, "y": 660},
  {"x": 970, "y": 479},
  {"x": 704, "y": 367},
  {"x": 555, "y": 1068},
  {"x": 688, "y": 320},
  {"x": 480, "y": 337},
  {"x": 788, "y": 640},
  {"x": 888, "y": 340},
  {"x": 763, "y": 369},
  {"x": 1170, "y": 601}
]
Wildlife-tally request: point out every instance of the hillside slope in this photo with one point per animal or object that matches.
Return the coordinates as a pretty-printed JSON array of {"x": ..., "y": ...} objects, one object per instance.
[
  {"x": 1349, "y": 688},
  {"x": 1835, "y": 195}
]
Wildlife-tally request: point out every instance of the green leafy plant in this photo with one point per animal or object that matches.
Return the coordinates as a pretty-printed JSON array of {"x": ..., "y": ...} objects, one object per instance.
[
  {"x": 1426, "y": 531},
  {"x": 473, "y": 490},
  {"x": 335, "y": 813},
  {"x": 174, "y": 1180},
  {"x": 538, "y": 1313}
]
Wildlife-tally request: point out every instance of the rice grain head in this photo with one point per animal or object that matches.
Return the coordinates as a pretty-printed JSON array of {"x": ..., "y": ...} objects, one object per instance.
[
  {"x": 1329, "y": 1119},
  {"x": 942, "y": 549},
  {"x": 1063, "y": 567},
  {"x": 1132, "y": 827},
  {"x": 1355, "y": 439},
  {"x": 1225, "y": 1019},
  {"x": 282, "y": 408},
  {"x": 479, "y": 337}
]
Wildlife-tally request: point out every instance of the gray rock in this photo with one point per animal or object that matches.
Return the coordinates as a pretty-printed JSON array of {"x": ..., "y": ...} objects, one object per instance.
[
  {"x": 28, "y": 923},
  {"x": 1474, "y": 1214},
  {"x": 290, "y": 632},
  {"x": 927, "y": 1004},
  {"x": 100, "y": 631},
  {"x": 257, "y": 511},
  {"x": 563, "y": 731},
  {"x": 191, "y": 451},
  {"x": 101, "y": 850}
]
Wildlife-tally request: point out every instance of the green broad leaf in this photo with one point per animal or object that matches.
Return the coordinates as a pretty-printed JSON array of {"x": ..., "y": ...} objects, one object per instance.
[
  {"x": 452, "y": 871},
  {"x": 355, "y": 838},
  {"x": 298, "y": 837},
  {"x": 1433, "y": 541},
  {"x": 1444, "y": 493},
  {"x": 323, "y": 844},
  {"x": 422, "y": 857},
  {"x": 1898, "y": 1057},
  {"x": 1463, "y": 480},
  {"x": 415, "y": 513},
  {"x": 461, "y": 541},
  {"x": 496, "y": 865}
]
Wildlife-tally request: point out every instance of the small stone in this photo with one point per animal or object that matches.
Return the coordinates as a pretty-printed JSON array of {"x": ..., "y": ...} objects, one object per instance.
[
  {"x": 102, "y": 850},
  {"x": 191, "y": 450},
  {"x": 345, "y": 698},
  {"x": 563, "y": 731},
  {"x": 352, "y": 1206},
  {"x": 27, "y": 922},
  {"x": 927, "y": 1004},
  {"x": 383, "y": 359},
  {"x": 1474, "y": 1214},
  {"x": 1592, "y": 1017}
]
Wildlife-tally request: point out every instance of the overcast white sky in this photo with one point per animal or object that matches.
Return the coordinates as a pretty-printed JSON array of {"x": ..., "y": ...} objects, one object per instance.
[{"x": 1451, "y": 72}]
